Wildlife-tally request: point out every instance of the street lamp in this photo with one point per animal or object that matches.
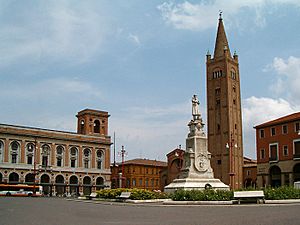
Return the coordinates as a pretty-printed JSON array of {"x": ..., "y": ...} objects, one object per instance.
[
  {"x": 230, "y": 147},
  {"x": 122, "y": 153}
]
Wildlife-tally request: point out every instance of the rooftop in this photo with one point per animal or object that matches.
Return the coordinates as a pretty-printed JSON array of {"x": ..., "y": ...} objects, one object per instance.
[{"x": 284, "y": 119}]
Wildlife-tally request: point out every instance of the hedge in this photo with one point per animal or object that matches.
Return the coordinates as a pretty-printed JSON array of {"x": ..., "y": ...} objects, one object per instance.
[{"x": 136, "y": 194}]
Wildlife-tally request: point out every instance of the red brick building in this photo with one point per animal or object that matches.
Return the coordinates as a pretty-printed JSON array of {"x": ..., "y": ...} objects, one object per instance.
[
  {"x": 138, "y": 173},
  {"x": 278, "y": 151},
  {"x": 249, "y": 172}
]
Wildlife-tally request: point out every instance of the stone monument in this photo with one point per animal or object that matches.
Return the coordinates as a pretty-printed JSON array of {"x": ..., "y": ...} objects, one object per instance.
[{"x": 196, "y": 173}]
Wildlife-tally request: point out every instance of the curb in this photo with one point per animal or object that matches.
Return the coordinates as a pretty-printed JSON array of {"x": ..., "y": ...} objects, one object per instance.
[
  {"x": 283, "y": 201},
  {"x": 198, "y": 203}
]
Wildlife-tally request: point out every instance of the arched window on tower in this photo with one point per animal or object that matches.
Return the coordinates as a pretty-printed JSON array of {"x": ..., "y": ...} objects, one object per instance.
[
  {"x": 15, "y": 148},
  {"x": 96, "y": 126},
  {"x": 81, "y": 126}
]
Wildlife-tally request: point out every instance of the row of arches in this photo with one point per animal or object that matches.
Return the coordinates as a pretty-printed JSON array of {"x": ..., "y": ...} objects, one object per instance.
[
  {"x": 60, "y": 182},
  {"x": 275, "y": 175}
]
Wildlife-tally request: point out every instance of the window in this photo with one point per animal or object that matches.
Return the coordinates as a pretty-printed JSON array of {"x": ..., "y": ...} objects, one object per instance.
[
  {"x": 14, "y": 158},
  {"x": 147, "y": 171},
  {"x": 96, "y": 126},
  {"x": 234, "y": 101},
  {"x": 297, "y": 149},
  {"x": 219, "y": 162},
  {"x": 218, "y": 127},
  {"x": 81, "y": 126},
  {"x": 44, "y": 161},
  {"x": 86, "y": 158},
  {"x": 284, "y": 129},
  {"x": 15, "y": 147},
  {"x": 1, "y": 152},
  {"x": 297, "y": 126},
  {"x": 233, "y": 75},
  {"x": 273, "y": 152},
  {"x": 262, "y": 154},
  {"x": 218, "y": 102},
  {"x": 30, "y": 153},
  {"x": 99, "y": 158},
  {"x": 285, "y": 150},
  {"x": 59, "y": 156},
  {"x": 262, "y": 133},
  {"x": 45, "y": 154},
  {"x": 217, "y": 91},
  {"x": 73, "y": 163},
  {"x": 273, "y": 131},
  {"x": 217, "y": 74},
  {"x": 58, "y": 162},
  {"x": 248, "y": 172},
  {"x": 141, "y": 182},
  {"x": 147, "y": 182},
  {"x": 73, "y": 157},
  {"x": 152, "y": 182},
  {"x": 133, "y": 182}
]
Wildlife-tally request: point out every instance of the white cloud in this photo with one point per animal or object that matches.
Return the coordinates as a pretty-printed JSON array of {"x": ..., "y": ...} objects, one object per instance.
[
  {"x": 201, "y": 16},
  {"x": 134, "y": 38},
  {"x": 288, "y": 78}
]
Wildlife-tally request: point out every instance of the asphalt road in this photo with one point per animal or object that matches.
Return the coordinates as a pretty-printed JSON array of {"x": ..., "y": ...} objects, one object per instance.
[{"x": 55, "y": 211}]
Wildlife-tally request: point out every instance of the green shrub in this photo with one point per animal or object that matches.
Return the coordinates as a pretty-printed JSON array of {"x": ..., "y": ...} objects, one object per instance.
[
  {"x": 202, "y": 195},
  {"x": 284, "y": 192},
  {"x": 136, "y": 194}
]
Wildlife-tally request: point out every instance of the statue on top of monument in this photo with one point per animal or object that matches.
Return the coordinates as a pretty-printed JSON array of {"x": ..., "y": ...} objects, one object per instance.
[{"x": 195, "y": 108}]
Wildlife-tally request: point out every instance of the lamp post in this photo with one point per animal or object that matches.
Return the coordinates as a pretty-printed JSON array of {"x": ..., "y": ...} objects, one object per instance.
[
  {"x": 34, "y": 166},
  {"x": 230, "y": 146},
  {"x": 122, "y": 153}
]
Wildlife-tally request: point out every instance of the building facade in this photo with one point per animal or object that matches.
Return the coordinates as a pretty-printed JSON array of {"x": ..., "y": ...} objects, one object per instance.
[
  {"x": 138, "y": 173},
  {"x": 224, "y": 115},
  {"x": 249, "y": 173},
  {"x": 61, "y": 162},
  {"x": 278, "y": 151}
]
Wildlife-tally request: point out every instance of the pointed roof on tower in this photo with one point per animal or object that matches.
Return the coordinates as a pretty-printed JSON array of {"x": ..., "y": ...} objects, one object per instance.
[{"x": 221, "y": 40}]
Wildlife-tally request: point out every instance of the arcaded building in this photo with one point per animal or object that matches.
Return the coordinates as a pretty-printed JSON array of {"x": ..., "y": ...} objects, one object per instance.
[
  {"x": 224, "y": 114},
  {"x": 61, "y": 162},
  {"x": 278, "y": 151}
]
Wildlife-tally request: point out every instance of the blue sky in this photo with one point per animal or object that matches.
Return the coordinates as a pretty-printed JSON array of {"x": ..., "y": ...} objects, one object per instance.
[{"x": 142, "y": 61}]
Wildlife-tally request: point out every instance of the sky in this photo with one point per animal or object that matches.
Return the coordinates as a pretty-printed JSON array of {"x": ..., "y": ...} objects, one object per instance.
[{"x": 142, "y": 61}]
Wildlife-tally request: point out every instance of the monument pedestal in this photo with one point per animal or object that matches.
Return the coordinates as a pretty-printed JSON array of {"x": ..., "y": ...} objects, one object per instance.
[{"x": 197, "y": 173}]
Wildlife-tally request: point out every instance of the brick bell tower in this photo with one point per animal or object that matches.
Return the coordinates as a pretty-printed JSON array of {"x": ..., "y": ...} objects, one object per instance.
[
  {"x": 92, "y": 122},
  {"x": 224, "y": 115}
]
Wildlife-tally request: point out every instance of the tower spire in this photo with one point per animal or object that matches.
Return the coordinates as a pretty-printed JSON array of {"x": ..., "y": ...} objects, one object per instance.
[{"x": 221, "y": 45}]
